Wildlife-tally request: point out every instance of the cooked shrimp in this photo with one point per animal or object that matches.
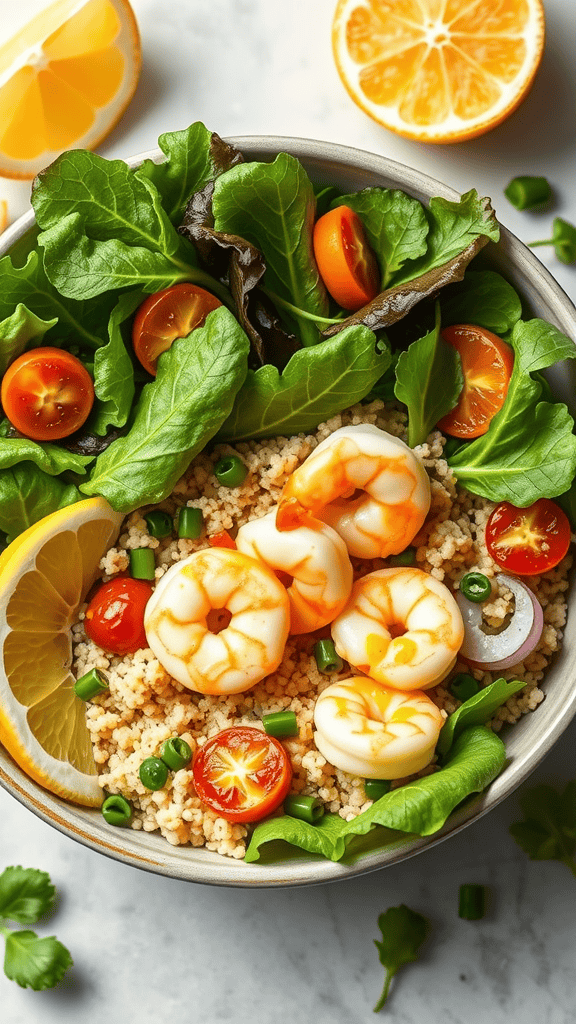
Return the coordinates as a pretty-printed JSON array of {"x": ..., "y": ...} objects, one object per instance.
[
  {"x": 402, "y": 627},
  {"x": 218, "y": 621},
  {"x": 373, "y": 731},
  {"x": 394, "y": 488},
  {"x": 316, "y": 560}
]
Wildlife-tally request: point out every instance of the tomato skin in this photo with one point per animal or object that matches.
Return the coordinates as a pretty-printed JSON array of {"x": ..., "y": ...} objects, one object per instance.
[
  {"x": 346, "y": 261},
  {"x": 47, "y": 393},
  {"x": 269, "y": 782},
  {"x": 121, "y": 632},
  {"x": 167, "y": 315},
  {"x": 528, "y": 541},
  {"x": 487, "y": 364}
]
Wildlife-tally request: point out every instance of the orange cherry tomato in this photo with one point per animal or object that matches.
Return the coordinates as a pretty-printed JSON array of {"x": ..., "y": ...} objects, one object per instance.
[
  {"x": 528, "y": 541},
  {"x": 222, "y": 540},
  {"x": 115, "y": 615},
  {"x": 346, "y": 262},
  {"x": 47, "y": 394},
  {"x": 487, "y": 363},
  {"x": 242, "y": 773},
  {"x": 167, "y": 315}
]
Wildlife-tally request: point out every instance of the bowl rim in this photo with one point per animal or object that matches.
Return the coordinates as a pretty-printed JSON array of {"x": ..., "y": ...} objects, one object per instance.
[{"x": 198, "y": 865}]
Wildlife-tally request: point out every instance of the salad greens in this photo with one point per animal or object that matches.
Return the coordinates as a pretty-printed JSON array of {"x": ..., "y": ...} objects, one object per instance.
[
  {"x": 563, "y": 239},
  {"x": 395, "y": 223},
  {"x": 484, "y": 298},
  {"x": 548, "y": 831},
  {"x": 403, "y": 933},
  {"x": 26, "y": 895},
  {"x": 27, "y": 494},
  {"x": 476, "y": 710}
]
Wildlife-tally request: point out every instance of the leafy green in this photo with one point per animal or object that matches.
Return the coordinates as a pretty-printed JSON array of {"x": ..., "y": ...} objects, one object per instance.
[
  {"x": 429, "y": 380},
  {"x": 529, "y": 450},
  {"x": 548, "y": 831},
  {"x": 114, "y": 371},
  {"x": 317, "y": 383},
  {"x": 176, "y": 415},
  {"x": 484, "y": 298},
  {"x": 27, "y": 494},
  {"x": 272, "y": 205},
  {"x": 395, "y": 223},
  {"x": 49, "y": 457},
  {"x": 563, "y": 239},
  {"x": 403, "y": 932},
  {"x": 421, "y": 807},
  {"x": 17, "y": 331},
  {"x": 25, "y": 895},
  {"x": 476, "y": 710}
]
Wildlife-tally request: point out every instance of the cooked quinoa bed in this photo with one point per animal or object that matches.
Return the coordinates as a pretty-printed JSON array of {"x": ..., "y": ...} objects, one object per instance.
[{"x": 145, "y": 706}]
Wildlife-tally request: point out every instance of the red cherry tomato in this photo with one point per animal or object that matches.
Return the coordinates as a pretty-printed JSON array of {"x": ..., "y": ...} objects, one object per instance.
[
  {"x": 47, "y": 394},
  {"x": 167, "y": 315},
  {"x": 242, "y": 773},
  {"x": 528, "y": 541},
  {"x": 222, "y": 540},
  {"x": 345, "y": 260},
  {"x": 115, "y": 616},
  {"x": 487, "y": 363}
]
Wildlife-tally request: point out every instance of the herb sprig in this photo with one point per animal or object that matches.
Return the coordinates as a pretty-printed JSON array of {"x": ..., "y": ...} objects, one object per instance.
[
  {"x": 403, "y": 932},
  {"x": 548, "y": 831},
  {"x": 26, "y": 894}
]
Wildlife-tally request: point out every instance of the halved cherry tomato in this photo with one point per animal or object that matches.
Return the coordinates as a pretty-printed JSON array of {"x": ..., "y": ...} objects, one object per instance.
[
  {"x": 115, "y": 615},
  {"x": 47, "y": 394},
  {"x": 242, "y": 773},
  {"x": 222, "y": 540},
  {"x": 487, "y": 363},
  {"x": 167, "y": 315},
  {"x": 528, "y": 541},
  {"x": 346, "y": 262}
]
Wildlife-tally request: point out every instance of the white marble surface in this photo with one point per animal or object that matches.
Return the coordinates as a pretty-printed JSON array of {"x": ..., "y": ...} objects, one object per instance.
[{"x": 150, "y": 949}]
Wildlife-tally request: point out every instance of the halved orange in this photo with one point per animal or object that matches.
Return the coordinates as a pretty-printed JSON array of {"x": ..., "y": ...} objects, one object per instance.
[
  {"x": 438, "y": 70},
  {"x": 65, "y": 80},
  {"x": 44, "y": 576}
]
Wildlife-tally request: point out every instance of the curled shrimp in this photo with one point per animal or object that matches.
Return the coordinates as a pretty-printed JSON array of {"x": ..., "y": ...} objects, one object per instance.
[
  {"x": 314, "y": 558},
  {"x": 218, "y": 621},
  {"x": 366, "y": 484},
  {"x": 375, "y": 732},
  {"x": 400, "y": 626}
]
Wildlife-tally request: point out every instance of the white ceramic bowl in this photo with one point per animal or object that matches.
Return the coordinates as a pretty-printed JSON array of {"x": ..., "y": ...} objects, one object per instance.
[{"x": 526, "y": 743}]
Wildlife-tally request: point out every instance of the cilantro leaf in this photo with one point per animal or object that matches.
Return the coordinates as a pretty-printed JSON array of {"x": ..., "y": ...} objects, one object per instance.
[
  {"x": 549, "y": 829},
  {"x": 25, "y": 894},
  {"x": 33, "y": 962},
  {"x": 403, "y": 932}
]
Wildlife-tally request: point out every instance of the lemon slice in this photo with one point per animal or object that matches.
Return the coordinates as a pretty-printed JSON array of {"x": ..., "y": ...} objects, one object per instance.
[
  {"x": 3, "y": 215},
  {"x": 65, "y": 80},
  {"x": 438, "y": 70},
  {"x": 44, "y": 576}
]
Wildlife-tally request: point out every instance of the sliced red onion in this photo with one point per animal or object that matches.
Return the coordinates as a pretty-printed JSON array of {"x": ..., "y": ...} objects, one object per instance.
[{"x": 501, "y": 650}]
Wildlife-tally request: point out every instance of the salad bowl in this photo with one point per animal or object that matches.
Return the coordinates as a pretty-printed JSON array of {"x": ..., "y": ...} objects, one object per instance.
[{"x": 526, "y": 743}]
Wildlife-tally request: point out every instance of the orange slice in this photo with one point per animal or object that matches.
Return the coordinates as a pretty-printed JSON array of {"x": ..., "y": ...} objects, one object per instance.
[
  {"x": 438, "y": 70},
  {"x": 65, "y": 80},
  {"x": 44, "y": 576}
]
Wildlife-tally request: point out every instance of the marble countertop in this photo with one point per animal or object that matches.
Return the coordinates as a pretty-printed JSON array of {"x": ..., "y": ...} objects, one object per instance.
[{"x": 150, "y": 949}]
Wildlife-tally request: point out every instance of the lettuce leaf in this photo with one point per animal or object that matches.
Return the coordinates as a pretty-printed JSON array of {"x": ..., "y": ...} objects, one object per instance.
[
  {"x": 476, "y": 710},
  {"x": 27, "y": 494},
  {"x": 17, "y": 331},
  {"x": 484, "y": 298},
  {"x": 51, "y": 458},
  {"x": 114, "y": 371}
]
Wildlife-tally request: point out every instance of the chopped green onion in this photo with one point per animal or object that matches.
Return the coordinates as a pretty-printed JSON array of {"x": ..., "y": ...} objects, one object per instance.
[
  {"x": 92, "y": 682},
  {"x": 307, "y": 808},
  {"x": 407, "y": 557},
  {"x": 463, "y": 687},
  {"x": 116, "y": 810},
  {"x": 280, "y": 723},
  {"x": 375, "y": 788},
  {"x": 159, "y": 524},
  {"x": 230, "y": 471},
  {"x": 176, "y": 753},
  {"x": 472, "y": 902},
  {"x": 563, "y": 239},
  {"x": 190, "y": 523},
  {"x": 142, "y": 564},
  {"x": 326, "y": 658},
  {"x": 476, "y": 587},
  {"x": 528, "y": 191},
  {"x": 153, "y": 773}
]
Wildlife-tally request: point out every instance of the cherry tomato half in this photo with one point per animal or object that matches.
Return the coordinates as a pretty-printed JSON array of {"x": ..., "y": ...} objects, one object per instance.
[
  {"x": 167, "y": 315},
  {"x": 242, "y": 773},
  {"x": 115, "y": 615},
  {"x": 47, "y": 394},
  {"x": 345, "y": 260},
  {"x": 222, "y": 540},
  {"x": 487, "y": 363},
  {"x": 528, "y": 541}
]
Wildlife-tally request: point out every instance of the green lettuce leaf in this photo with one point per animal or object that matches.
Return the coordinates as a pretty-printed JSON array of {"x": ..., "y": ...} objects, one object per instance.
[
  {"x": 395, "y": 223},
  {"x": 17, "y": 331},
  {"x": 176, "y": 415},
  {"x": 114, "y": 371},
  {"x": 27, "y": 494},
  {"x": 484, "y": 298},
  {"x": 272, "y": 205},
  {"x": 317, "y": 383},
  {"x": 421, "y": 807},
  {"x": 476, "y": 710},
  {"x": 529, "y": 450},
  {"x": 51, "y": 458}
]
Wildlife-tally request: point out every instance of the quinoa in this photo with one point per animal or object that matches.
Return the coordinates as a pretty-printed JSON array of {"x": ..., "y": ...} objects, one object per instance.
[{"x": 145, "y": 706}]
